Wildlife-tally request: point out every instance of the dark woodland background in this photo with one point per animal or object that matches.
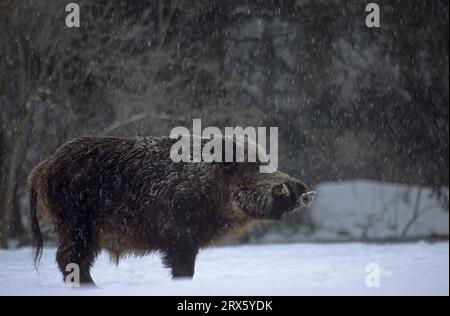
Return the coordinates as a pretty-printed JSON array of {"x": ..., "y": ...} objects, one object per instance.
[{"x": 350, "y": 102}]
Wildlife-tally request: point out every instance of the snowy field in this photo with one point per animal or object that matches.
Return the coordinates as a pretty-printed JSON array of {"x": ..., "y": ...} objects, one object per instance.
[
  {"x": 292, "y": 269},
  {"x": 376, "y": 210},
  {"x": 366, "y": 210}
]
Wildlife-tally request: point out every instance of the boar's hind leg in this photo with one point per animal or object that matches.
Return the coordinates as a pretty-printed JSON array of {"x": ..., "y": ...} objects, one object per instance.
[
  {"x": 181, "y": 260},
  {"x": 76, "y": 247}
]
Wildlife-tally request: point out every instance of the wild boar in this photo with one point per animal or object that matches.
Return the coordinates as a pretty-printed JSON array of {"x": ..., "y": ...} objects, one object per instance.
[{"x": 128, "y": 197}]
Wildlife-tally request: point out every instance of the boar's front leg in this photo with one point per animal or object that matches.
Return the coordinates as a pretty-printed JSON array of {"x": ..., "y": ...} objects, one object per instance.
[{"x": 181, "y": 259}]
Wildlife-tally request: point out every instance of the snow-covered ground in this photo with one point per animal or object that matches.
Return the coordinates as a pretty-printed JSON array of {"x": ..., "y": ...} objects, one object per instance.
[
  {"x": 291, "y": 269},
  {"x": 377, "y": 210},
  {"x": 367, "y": 210}
]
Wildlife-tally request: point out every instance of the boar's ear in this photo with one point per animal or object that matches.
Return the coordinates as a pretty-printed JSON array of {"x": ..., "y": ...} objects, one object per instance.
[{"x": 229, "y": 166}]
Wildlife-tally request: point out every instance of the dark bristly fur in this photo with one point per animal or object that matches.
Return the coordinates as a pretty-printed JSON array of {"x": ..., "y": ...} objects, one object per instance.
[{"x": 128, "y": 197}]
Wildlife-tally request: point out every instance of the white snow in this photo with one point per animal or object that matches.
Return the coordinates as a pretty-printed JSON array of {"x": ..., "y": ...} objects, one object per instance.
[
  {"x": 289, "y": 269},
  {"x": 376, "y": 210},
  {"x": 362, "y": 210}
]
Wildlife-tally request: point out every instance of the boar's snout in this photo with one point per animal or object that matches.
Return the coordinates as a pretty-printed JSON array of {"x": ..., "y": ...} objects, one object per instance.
[{"x": 306, "y": 199}]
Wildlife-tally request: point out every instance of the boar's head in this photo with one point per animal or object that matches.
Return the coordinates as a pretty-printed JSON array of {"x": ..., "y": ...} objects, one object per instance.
[{"x": 268, "y": 195}]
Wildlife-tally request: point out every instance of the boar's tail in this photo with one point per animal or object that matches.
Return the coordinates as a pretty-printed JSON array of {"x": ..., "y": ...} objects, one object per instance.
[{"x": 36, "y": 235}]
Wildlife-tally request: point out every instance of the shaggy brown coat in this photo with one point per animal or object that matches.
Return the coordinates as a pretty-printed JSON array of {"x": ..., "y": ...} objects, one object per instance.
[{"x": 128, "y": 197}]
